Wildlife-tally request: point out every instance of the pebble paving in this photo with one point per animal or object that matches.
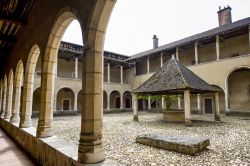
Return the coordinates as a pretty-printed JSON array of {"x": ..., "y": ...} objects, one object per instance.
[{"x": 229, "y": 139}]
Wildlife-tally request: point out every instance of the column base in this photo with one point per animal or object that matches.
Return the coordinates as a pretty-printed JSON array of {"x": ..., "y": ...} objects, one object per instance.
[
  {"x": 136, "y": 118},
  {"x": 6, "y": 116},
  {"x": 227, "y": 110},
  {"x": 25, "y": 124},
  {"x": 96, "y": 155},
  {"x": 44, "y": 132},
  {"x": 217, "y": 118},
  {"x": 2, "y": 115},
  {"x": 188, "y": 122},
  {"x": 14, "y": 119}
]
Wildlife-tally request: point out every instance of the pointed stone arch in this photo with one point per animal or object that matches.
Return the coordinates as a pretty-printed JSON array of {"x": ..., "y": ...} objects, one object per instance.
[
  {"x": 17, "y": 92},
  {"x": 28, "y": 85}
]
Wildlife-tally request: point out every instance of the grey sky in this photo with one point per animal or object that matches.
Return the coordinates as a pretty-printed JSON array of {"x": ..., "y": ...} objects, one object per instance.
[{"x": 134, "y": 22}]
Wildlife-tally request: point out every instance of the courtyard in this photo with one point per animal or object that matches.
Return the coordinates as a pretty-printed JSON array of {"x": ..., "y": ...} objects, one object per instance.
[{"x": 229, "y": 139}]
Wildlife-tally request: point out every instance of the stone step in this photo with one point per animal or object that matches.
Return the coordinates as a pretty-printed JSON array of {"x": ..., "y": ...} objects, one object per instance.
[{"x": 182, "y": 144}]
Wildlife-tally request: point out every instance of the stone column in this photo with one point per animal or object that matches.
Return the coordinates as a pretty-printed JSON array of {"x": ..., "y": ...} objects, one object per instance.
[
  {"x": 196, "y": 53},
  {"x": 148, "y": 65},
  {"x": 27, "y": 99},
  {"x": 217, "y": 47},
  {"x": 177, "y": 53},
  {"x": 227, "y": 107},
  {"x": 135, "y": 104},
  {"x": 179, "y": 102},
  {"x": 4, "y": 95},
  {"x": 217, "y": 107},
  {"x": 149, "y": 103},
  {"x": 249, "y": 35},
  {"x": 161, "y": 59},
  {"x": 75, "y": 102},
  {"x": 76, "y": 68},
  {"x": 16, "y": 102},
  {"x": 187, "y": 107},
  {"x": 135, "y": 69},
  {"x": 121, "y": 69},
  {"x": 198, "y": 102},
  {"x": 163, "y": 104},
  {"x": 1, "y": 94},
  {"x": 90, "y": 148},
  {"x": 108, "y": 101},
  {"x": 121, "y": 101},
  {"x": 55, "y": 102},
  {"x": 108, "y": 72},
  {"x": 44, "y": 128},
  {"x": 9, "y": 99}
]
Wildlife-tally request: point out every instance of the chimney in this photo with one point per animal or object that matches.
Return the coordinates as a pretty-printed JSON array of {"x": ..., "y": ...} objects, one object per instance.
[
  {"x": 224, "y": 15},
  {"x": 155, "y": 42}
]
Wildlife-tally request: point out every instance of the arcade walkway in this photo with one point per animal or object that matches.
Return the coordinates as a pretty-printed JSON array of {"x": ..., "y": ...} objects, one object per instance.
[{"x": 11, "y": 154}]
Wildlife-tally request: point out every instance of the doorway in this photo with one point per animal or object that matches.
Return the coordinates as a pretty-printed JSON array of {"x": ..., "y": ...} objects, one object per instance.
[
  {"x": 208, "y": 106},
  {"x": 66, "y": 104}
]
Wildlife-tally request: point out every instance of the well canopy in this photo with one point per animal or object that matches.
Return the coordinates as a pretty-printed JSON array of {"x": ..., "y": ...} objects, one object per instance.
[{"x": 174, "y": 78}]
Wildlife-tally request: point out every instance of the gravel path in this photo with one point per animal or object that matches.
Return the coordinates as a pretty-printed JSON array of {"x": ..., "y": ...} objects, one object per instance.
[{"x": 230, "y": 139}]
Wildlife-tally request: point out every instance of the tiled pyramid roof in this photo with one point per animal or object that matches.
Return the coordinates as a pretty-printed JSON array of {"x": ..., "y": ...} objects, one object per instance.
[{"x": 173, "y": 77}]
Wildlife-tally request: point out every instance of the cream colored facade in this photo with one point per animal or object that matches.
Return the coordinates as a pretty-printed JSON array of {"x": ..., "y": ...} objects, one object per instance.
[{"x": 221, "y": 59}]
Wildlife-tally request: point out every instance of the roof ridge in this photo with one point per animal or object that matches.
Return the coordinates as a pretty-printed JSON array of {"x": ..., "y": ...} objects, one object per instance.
[{"x": 179, "y": 71}]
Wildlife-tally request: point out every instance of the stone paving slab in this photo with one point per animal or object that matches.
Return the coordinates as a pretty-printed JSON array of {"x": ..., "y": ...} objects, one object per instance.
[
  {"x": 181, "y": 144},
  {"x": 10, "y": 154}
]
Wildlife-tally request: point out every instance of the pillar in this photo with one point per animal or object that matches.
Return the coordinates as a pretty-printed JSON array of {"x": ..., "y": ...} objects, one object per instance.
[
  {"x": 108, "y": 101},
  {"x": 27, "y": 99},
  {"x": 217, "y": 107},
  {"x": 4, "y": 95},
  {"x": 196, "y": 53},
  {"x": 16, "y": 102},
  {"x": 121, "y": 73},
  {"x": 135, "y": 104},
  {"x": 227, "y": 108},
  {"x": 249, "y": 34},
  {"x": 9, "y": 99},
  {"x": 149, "y": 103},
  {"x": 163, "y": 104},
  {"x": 135, "y": 68},
  {"x": 177, "y": 53},
  {"x": 161, "y": 59},
  {"x": 108, "y": 72},
  {"x": 198, "y": 102},
  {"x": 75, "y": 102},
  {"x": 187, "y": 107},
  {"x": 217, "y": 47},
  {"x": 121, "y": 100},
  {"x": 90, "y": 149},
  {"x": 1, "y": 94},
  {"x": 76, "y": 68},
  {"x": 148, "y": 65},
  {"x": 44, "y": 128},
  {"x": 179, "y": 102}
]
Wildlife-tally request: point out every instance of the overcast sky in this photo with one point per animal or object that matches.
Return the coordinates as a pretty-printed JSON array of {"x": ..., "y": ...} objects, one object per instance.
[{"x": 134, "y": 22}]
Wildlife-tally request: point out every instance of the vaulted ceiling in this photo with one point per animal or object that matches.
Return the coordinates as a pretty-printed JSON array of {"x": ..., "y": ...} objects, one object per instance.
[{"x": 13, "y": 17}]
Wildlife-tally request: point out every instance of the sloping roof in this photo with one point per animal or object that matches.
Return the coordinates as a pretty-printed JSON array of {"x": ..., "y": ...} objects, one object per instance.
[
  {"x": 238, "y": 25},
  {"x": 13, "y": 17},
  {"x": 173, "y": 77}
]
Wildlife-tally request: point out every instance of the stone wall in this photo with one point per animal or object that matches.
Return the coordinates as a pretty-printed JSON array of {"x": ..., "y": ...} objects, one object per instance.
[{"x": 46, "y": 151}]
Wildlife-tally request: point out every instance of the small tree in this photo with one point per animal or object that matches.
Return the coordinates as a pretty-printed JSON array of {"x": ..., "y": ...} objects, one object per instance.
[{"x": 169, "y": 100}]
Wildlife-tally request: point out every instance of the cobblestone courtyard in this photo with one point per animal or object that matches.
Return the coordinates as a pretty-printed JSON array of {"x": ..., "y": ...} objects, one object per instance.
[{"x": 230, "y": 139}]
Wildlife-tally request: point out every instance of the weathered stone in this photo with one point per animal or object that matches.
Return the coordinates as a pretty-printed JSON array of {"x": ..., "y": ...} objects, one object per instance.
[{"x": 181, "y": 144}]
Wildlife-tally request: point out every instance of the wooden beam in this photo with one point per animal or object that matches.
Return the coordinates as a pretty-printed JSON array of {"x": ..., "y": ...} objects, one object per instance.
[{"x": 13, "y": 19}]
